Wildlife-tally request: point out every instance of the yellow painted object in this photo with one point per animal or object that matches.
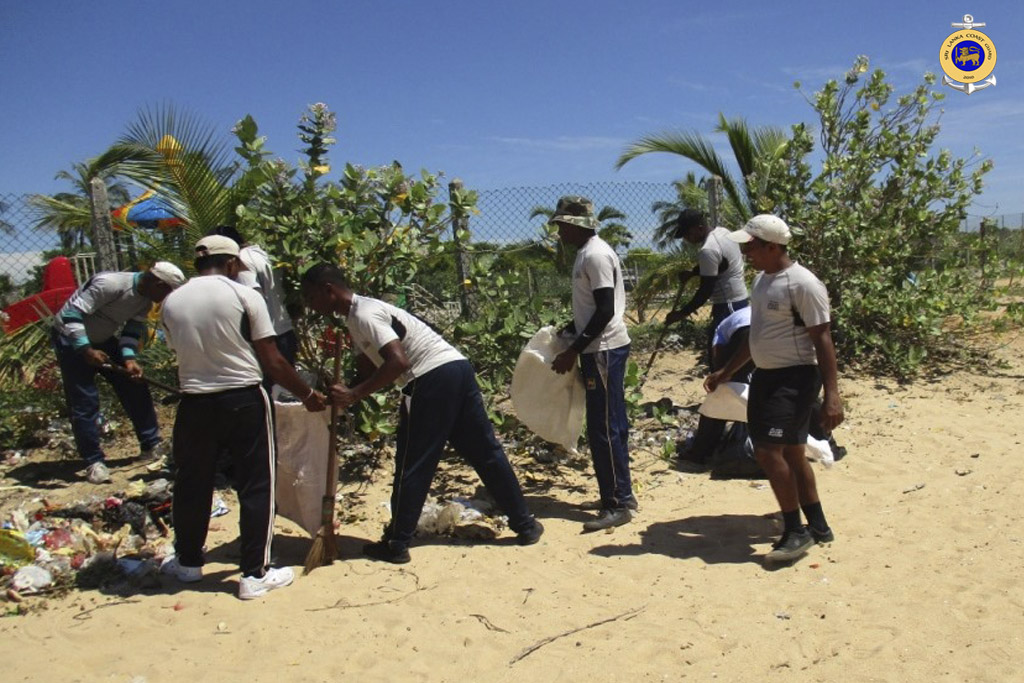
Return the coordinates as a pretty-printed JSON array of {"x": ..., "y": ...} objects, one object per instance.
[{"x": 15, "y": 550}]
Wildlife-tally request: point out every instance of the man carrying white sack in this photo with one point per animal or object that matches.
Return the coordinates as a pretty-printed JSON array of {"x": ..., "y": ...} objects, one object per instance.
[
  {"x": 791, "y": 345},
  {"x": 601, "y": 345}
]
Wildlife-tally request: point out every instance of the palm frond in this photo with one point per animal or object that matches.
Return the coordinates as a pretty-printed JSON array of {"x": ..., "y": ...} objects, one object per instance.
[{"x": 196, "y": 164}]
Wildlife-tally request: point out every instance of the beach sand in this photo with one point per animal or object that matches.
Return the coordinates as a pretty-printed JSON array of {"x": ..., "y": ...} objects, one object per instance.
[{"x": 922, "y": 582}]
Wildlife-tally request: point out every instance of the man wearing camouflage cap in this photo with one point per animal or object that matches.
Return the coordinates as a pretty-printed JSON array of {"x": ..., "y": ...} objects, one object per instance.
[
  {"x": 601, "y": 344},
  {"x": 85, "y": 339}
]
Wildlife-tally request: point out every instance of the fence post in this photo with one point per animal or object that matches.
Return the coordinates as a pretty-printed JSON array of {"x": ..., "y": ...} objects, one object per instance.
[
  {"x": 102, "y": 230},
  {"x": 714, "y": 187},
  {"x": 459, "y": 224}
]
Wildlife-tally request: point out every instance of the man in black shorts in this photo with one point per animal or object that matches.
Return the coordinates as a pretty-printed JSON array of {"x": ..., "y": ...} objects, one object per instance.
[{"x": 791, "y": 344}]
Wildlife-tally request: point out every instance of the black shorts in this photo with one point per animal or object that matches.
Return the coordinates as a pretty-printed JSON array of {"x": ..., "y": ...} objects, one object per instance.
[{"x": 780, "y": 403}]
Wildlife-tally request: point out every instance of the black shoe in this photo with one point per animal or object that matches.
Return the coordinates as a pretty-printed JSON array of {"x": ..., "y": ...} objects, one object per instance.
[
  {"x": 531, "y": 535},
  {"x": 792, "y": 545},
  {"x": 631, "y": 504},
  {"x": 385, "y": 552},
  {"x": 820, "y": 537},
  {"x": 608, "y": 519}
]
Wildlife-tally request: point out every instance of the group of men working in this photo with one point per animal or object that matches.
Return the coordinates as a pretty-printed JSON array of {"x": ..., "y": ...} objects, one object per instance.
[{"x": 233, "y": 339}]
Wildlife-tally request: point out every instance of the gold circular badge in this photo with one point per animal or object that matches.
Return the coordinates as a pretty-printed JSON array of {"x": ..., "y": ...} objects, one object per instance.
[{"x": 967, "y": 55}]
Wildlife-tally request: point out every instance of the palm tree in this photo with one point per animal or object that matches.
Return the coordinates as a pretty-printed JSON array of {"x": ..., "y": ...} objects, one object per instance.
[
  {"x": 759, "y": 150},
  {"x": 69, "y": 214}
]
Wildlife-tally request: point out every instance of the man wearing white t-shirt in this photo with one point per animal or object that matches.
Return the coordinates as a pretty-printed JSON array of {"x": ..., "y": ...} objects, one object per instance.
[
  {"x": 720, "y": 267},
  {"x": 601, "y": 344},
  {"x": 441, "y": 404},
  {"x": 261, "y": 275},
  {"x": 222, "y": 335},
  {"x": 791, "y": 344}
]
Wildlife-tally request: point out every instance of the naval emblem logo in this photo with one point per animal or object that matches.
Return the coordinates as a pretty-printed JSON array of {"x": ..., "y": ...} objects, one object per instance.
[{"x": 968, "y": 57}]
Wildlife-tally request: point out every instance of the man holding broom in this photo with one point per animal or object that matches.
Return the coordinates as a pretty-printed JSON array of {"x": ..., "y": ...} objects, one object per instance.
[
  {"x": 222, "y": 334},
  {"x": 441, "y": 404},
  {"x": 720, "y": 267},
  {"x": 86, "y": 340}
]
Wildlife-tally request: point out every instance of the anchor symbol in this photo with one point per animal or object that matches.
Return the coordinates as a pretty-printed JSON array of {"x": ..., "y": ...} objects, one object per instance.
[{"x": 969, "y": 87}]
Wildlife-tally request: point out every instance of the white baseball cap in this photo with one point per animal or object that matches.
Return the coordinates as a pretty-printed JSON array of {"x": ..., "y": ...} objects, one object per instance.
[
  {"x": 168, "y": 273},
  {"x": 212, "y": 245},
  {"x": 764, "y": 226}
]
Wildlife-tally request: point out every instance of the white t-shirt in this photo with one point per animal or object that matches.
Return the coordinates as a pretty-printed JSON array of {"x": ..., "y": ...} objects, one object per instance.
[
  {"x": 374, "y": 324},
  {"x": 730, "y": 285},
  {"x": 778, "y": 339},
  {"x": 261, "y": 275},
  {"x": 597, "y": 267},
  {"x": 209, "y": 322}
]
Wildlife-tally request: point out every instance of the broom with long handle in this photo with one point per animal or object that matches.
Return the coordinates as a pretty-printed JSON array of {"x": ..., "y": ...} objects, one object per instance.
[
  {"x": 662, "y": 335},
  {"x": 325, "y": 546}
]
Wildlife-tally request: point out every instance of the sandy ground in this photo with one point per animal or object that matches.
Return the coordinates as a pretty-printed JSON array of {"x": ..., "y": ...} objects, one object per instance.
[{"x": 922, "y": 583}]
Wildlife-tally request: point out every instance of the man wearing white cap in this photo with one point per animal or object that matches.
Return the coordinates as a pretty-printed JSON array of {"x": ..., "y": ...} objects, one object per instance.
[
  {"x": 791, "y": 344},
  {"x": 223, "y": 336},
  {"x": 85, "y": 339}
]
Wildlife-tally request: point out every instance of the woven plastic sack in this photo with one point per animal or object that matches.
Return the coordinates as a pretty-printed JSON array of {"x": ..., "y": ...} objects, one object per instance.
[
  {"x": 302, "y": 440},
  {"x": 552, "y": 406},
  {"x": 727, "y": 402}
]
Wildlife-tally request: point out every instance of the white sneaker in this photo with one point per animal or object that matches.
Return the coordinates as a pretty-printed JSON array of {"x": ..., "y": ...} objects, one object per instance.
[
  {"x": 174, "y": 568},
  {"x": 250, "y": 588},
  {"x": 97, "y": 473}
]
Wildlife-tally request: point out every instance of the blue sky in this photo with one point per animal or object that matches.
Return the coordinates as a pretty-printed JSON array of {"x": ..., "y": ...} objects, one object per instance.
[{"x": 509, "y": 94}]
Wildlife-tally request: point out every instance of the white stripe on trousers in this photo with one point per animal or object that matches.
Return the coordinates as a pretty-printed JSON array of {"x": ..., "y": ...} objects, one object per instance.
[{"x": 272, "y": 455}]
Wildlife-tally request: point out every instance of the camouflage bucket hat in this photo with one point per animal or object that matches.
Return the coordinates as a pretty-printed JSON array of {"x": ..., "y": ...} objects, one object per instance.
[{"x": 575, "y": 210}]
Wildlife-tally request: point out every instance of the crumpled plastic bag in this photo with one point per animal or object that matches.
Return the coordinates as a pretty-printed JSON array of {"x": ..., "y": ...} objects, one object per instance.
[
  {"x": 552, "y": 406},
  {"x": 302, "y": 441},
  {"x": 460, "y": 518},
  {"x": 819, "y": 450},
  {"x": 727, "y": 402}
]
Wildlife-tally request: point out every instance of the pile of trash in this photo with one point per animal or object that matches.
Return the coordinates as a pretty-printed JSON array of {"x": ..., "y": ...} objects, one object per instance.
[
  {"x": 461, "y": 518},
  {"x": 111, "y": 543}
]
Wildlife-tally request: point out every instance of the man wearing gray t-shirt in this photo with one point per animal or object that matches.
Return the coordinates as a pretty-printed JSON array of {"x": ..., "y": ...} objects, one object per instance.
[
  {"x": 791, "y": 344},
  {"x": 720, "y": 267}
]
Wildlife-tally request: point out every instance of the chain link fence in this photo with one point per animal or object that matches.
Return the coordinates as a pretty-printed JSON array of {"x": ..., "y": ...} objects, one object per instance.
[{"x": 504, "y": 218}]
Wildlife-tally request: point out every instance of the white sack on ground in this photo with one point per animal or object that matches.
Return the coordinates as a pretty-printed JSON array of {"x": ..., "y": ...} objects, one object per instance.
[
  {"x": 727, "y": 402},
  {"x": 302, "y": 440},
  {"x": 551, "y": 405}
]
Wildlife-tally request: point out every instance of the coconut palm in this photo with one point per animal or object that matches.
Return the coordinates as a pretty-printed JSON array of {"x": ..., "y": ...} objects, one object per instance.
[
  {"x": 69, "y": 214},
  {"x": 759, "y": 150}
]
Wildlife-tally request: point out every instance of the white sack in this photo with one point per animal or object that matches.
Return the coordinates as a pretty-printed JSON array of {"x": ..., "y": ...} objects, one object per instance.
[
  {"x": 302, "y": 440},
  {"x": 551, "y": 405},
  {"x": 727, "y": 402}
]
